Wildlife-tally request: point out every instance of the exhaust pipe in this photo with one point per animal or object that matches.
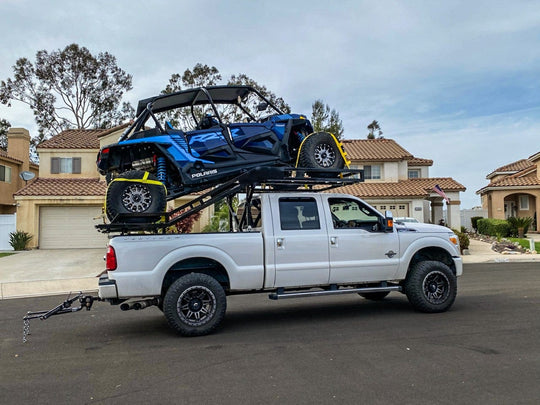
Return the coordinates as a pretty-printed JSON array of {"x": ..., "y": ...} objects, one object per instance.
[{"x": 136, "y": 305}]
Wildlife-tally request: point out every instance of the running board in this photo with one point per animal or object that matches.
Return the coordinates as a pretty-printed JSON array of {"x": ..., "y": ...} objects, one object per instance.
[{"x": 334, "y": 290}]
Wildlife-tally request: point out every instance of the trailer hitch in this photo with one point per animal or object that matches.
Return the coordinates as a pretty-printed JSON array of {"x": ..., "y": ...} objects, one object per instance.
[{"x": 85, "y": 301}]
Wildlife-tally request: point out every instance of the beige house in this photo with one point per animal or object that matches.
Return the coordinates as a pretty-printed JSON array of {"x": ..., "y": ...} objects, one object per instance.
[
  {"x": 62, "y": 207},
  {"x": 514, "y": 190},
  {"x": 396, "y": 180},
  {"x": 12, "y": 163}
]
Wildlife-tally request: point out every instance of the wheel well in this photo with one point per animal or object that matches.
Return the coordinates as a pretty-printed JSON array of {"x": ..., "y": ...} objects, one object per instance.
[
  {"x": 196, "y": 265},
  {"x": 435, "y": 254}
]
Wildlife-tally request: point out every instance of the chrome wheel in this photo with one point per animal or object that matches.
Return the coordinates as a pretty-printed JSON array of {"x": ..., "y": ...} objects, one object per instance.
[
  {"x": 325, "y": 155},
  {"x": 136, "y": 198},
  {"x": 196, "y": 305}
]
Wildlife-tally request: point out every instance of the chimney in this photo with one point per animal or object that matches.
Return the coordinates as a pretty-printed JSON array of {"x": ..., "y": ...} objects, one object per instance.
[{"x": 19, "y": 146}]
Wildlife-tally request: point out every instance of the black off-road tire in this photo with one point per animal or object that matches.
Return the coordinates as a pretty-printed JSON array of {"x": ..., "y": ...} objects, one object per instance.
[
  {"x": 375, "y": 296},
  {"x": 320, "y": 150},
  {"x": 431, "y": 286},
  {"x": 195, "y": 304},
  {"x": 132, "y": 197}
]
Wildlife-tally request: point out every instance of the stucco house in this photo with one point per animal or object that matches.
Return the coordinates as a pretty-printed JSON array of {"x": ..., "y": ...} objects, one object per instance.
[
  {"x": 398, "y": 181},
  {"x": 64, "y": 204},
  {"x": 13, "y": 162},
  {"x": 514, "y": 190}
]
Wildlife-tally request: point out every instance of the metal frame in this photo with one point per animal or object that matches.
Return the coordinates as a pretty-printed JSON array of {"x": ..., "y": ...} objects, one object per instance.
[{"x": 259, "y": 179}]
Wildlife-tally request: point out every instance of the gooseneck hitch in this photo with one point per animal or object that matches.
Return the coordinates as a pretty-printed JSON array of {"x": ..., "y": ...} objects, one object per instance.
[{"x": 85, "y": 301}]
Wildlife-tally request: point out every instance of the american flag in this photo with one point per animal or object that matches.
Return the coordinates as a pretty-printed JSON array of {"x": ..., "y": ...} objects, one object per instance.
[{"x": 439, "y": 191}]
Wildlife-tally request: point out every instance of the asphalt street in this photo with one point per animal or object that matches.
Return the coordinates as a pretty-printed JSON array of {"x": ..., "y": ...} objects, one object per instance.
[{"x": 342, "y": 349}]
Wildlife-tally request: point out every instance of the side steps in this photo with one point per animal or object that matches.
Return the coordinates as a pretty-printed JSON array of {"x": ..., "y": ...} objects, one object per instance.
[{"x": 333, "y": 290}]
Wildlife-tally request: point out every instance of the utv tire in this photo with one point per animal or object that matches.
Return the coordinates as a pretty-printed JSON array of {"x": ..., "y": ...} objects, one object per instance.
[
  {"x": 375, "y": 296},
  {"x": 431, "y": 286},
  {"x": 195, "y": 304},
  {"x": 132, "y": 197},
  {"x": 320, "y": 150}
]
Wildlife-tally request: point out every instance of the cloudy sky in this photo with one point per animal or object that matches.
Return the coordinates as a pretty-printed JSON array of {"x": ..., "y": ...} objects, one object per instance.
[{"x": 455, "y": 81}]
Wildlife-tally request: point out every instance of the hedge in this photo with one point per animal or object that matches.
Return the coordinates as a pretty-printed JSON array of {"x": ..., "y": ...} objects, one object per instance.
[{"x": 493, "y": 227}]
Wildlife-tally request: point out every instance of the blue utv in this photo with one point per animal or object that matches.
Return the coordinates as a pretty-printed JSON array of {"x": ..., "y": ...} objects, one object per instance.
[{"x": 185, "y": 142}]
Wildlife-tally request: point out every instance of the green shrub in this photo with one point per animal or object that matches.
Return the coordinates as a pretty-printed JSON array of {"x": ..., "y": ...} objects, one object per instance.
[
  {"x": 19, "y": 240},
  {"x": 493, "y": 227},
  {"x": 474, "y": 222},
  {"x": 463, "y": 240},
  {"x": 519, "y": 222}
]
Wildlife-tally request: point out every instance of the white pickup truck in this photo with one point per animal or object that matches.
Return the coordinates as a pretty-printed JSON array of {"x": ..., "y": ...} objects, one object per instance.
[{"x": 297, "y": 244}]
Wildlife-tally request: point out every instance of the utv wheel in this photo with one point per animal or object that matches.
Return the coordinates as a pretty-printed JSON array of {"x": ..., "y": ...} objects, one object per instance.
[
  {"x": 375, "y": 296},
  {"x": 321, "y": 151},
  {"x": 431, "y": 286},
  {"x": 134, "y": 197},
  {"x": 195, "y": 304}
]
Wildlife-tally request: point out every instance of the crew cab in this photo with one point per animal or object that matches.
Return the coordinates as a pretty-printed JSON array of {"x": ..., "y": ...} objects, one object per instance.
[{"x": 294, "y": 244}]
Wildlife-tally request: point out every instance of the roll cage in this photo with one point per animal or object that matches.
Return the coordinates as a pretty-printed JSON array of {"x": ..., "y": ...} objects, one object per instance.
[{"x": 211, "y": 95}]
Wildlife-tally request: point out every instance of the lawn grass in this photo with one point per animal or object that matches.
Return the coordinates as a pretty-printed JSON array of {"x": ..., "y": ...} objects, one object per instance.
[
  {"x": 525, "y": 243},
  {"x": 6, "y": 254}
]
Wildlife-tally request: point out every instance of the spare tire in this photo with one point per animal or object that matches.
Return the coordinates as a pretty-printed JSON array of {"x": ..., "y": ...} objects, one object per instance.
[
  {"x": 321, "y": 150},
  {"x": 135, "y": 192}
]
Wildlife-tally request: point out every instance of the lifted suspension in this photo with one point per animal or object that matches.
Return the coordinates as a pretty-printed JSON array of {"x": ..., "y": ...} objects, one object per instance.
[{"x": 85, "y": 301}]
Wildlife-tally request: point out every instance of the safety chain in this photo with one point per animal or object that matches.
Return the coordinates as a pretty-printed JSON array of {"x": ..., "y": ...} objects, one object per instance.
[{"x": 26, "y": 329}]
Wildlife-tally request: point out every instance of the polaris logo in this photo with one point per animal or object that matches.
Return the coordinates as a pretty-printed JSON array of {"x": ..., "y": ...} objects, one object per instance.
[{"x": 205, "y": 173}]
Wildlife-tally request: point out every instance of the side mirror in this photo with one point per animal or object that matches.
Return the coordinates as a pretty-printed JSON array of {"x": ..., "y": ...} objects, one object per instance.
[
  {"x": 388, "y": 225},
  {"x": 262, "y": 106}
]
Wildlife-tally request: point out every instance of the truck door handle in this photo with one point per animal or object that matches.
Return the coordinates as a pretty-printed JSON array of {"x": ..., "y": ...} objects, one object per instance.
[
  {"x": 333, "y": 240},
  {"x": 279, "y": 242}
]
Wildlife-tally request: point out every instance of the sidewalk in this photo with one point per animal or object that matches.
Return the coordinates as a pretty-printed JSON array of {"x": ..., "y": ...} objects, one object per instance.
[{"x": 52, "y": 272}]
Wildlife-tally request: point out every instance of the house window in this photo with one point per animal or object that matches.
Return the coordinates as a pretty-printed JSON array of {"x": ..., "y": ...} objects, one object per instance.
[
  {"x": 392, "y": 207},
  {"x": 65, "y": 165},
  {"x": 414, "y": 173},
  {"x": 401, "y": 207},
  {"x": 372, "y": 172},
  {"x": 524, "y": 202},
  {"x": 5, "y": 174}
]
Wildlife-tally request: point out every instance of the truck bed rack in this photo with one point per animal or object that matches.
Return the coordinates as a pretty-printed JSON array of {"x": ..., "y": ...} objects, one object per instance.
[{"x": 256, "y": 180}]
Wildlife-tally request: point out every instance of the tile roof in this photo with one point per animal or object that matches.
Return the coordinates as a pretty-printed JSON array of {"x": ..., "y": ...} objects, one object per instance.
[
  {"x": 511, "y": 167},
  {"x": 415, "y": 161},
  {"x": 64, "y": 187},
  {"x": 375, "y": 149},
  {"x": 79, "y": 138},
  {"x": 73, "y": 139},
  {"x": 403, "y": 188}
]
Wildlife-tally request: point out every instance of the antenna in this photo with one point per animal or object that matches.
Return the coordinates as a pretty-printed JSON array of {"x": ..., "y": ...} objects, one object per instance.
[{"x": 26, "y": 176}]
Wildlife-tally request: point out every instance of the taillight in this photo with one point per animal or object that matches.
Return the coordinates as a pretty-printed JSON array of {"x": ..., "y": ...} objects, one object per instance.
[{"x": 110, "y": 259}]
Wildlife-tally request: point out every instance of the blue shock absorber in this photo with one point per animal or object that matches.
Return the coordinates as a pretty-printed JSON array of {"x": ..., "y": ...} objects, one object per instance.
[{"x": 161, "y": 169}]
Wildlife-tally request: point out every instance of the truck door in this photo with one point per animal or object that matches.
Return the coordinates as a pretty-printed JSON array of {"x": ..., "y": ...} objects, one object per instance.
[
  {"x": 300, "y": 242},
  {"x": 359, "y": 250}
]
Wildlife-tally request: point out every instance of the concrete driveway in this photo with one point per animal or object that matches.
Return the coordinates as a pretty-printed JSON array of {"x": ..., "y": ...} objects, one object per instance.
[{"x": 45, "y": 272}]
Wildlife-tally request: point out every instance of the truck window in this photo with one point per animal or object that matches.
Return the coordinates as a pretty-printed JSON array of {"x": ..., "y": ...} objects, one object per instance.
[
  {"x": 298, "y": 213},
  {"x": 250, "y": 220},
  {"x": 350, "y": 214}
]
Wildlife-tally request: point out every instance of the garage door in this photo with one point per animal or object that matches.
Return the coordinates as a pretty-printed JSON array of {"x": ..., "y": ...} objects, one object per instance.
[
  {"x": 398, "y": 209},
  {"x": 70, "y": 228}
]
